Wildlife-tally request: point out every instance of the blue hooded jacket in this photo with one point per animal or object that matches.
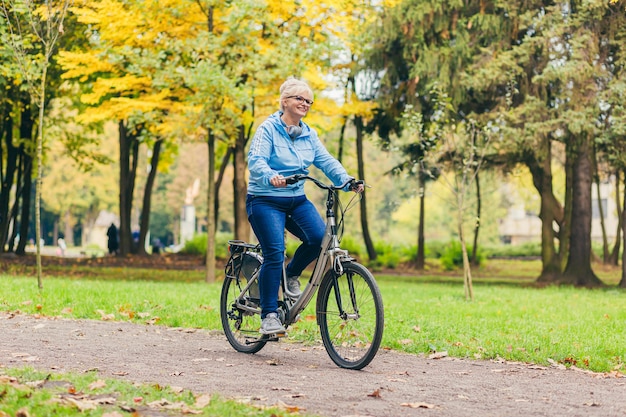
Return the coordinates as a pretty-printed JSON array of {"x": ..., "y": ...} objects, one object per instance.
[{"x": 273, "y": 152}]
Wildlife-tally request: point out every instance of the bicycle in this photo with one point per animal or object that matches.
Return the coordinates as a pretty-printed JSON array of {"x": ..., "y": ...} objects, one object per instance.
[{"x": 349, "y": 306}]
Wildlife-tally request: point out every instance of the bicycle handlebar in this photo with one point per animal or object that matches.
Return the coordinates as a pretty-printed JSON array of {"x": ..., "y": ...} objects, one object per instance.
[{"x": 292, "y": 179}]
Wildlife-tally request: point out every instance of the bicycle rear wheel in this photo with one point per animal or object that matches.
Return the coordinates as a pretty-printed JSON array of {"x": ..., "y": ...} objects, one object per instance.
[
  {"x": 241, "y": 326},
  {"x": 350, "y": 315}
]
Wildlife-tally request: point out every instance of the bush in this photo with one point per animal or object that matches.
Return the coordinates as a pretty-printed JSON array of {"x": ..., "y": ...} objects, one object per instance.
[
  {"x": 352, "y": 246},
  {"x": 198, "y": 245},
  {"x": 387, "y": 255},
  {"x": 524, "y": 250},
  {"x": 452, "y": 258},
  {"x": 434, "y": 249}
]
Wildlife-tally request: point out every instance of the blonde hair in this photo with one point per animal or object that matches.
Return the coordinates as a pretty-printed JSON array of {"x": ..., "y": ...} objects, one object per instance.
[{"x": 291, "y": 87}]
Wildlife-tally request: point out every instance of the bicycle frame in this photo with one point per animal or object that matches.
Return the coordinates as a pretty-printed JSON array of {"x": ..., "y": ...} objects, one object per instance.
[{"x": 330, "y": 254}]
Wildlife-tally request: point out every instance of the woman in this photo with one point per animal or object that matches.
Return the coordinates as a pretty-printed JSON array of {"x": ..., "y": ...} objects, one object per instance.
[{"x": 284, "y": 145}]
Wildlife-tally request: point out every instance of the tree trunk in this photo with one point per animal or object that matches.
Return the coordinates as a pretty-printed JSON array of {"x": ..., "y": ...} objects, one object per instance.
[
  {"x": 242, "y": 229},
  {"x": 467, "y": 271},
  {"x": 565, "y": 232},
  {"x": 13, "y": 216},
  {"x": 39, "y": 180},
  {"x": 369, "y": 244},
  {"x": 220, "y": 178},
  {"x": 614, "y": 257},
  {"x": 26, "y": 198},
  {"x": 596, "y": 180},
  {"x": 341, "y": 141},
  {"x": 26, "y": 134},
  {"x": 144, "y": 219},
  {"x": 129, "y": 149},
  {"x": 210, "y": 216},
  {"x": 578, "y": 270},
  {"x": 68, "y": 234},
  {"x": 622, "y": 283},
  {"x": 550, "y": 211},
  {"x": 420, "y": 260},
  {"x": 474, "y": 259},
  {"x": 8, "y": 176}
]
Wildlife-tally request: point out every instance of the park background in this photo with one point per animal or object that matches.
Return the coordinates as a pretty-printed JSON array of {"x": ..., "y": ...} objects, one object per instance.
[
  {"x": 148, "y": 107},
  {"x": 113, "y": 109}
]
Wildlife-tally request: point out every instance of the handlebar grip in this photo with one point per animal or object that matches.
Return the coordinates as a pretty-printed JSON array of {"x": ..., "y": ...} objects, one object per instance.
[
  {"x": 355, "y": 183},
  {"x": 292, "y": 179}
]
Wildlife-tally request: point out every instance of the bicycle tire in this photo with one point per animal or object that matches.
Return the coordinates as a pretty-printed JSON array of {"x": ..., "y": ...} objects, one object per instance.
[
  {"x": 351, "y": 341},
  {"x": 240, "y": 327}
]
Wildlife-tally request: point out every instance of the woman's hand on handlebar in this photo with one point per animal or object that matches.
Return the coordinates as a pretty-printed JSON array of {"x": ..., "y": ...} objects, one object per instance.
[
  {"x": 357, "y": 186},
  {"x": 278, "y": 181}
]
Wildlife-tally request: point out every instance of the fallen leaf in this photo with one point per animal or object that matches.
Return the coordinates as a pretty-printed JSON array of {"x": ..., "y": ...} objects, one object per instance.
[
  {"x": 153, "y": 320},
  {"x": 81, "y": 405},
  {"x": 25, "y": 357},
  {"x": 104, "y": 316},
  {"x": 438, "y": 355},
  {"x": 375, "y": 394},
  {"x": 202, "y": 401},
  {"x": 418, "y": 405},
  {"x": 97, "y": 384}
]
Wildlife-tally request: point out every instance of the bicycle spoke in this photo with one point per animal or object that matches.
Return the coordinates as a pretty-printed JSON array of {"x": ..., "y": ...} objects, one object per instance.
[{"x": 351, "y": 331}]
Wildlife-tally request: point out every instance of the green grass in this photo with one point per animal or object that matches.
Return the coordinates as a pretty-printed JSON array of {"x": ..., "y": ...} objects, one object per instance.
[
  {"x": 173, "y": 304},
  {"x": 27, "y": 392},
  {"x": 509, "y": 318},
  {"x": 571, "y": 326}
]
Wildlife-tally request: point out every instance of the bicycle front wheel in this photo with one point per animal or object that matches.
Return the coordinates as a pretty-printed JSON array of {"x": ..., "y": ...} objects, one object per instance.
[
  {"x": 241, "y": 327},
  {"x": 350, "y": 315}
]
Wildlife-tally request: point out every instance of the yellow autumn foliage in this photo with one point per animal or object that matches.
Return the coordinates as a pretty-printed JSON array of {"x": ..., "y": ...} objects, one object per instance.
[
  {"x": 81, "y": 66},
  {"x": 128, "y": 84}
]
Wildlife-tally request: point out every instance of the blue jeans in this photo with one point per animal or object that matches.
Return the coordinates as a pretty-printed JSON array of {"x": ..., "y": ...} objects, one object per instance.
[{"x": 269, "y": 217}]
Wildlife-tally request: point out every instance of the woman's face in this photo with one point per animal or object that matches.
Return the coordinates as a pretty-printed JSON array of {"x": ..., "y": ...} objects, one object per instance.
[{"x": 298, "y": 104}]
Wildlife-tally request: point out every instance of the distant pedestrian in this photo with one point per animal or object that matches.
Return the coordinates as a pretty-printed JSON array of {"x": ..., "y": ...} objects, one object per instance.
[
  {"x": 157, "y": 246},
  {"x": 62, "y": 246},
  {"x": 113, "y": 243}
]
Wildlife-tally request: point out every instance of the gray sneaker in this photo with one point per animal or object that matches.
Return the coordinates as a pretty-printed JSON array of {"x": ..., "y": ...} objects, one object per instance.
[
  {"x": 293, "y": 286},
  {"x": 271, "y": 324}
]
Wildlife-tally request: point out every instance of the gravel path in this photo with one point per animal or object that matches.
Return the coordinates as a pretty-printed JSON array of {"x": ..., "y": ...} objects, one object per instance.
[{"x": 285, "y": 373}]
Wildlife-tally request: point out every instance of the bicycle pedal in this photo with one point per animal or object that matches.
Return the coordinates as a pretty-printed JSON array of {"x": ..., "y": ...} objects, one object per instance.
[{"x": 274, "y": 336}]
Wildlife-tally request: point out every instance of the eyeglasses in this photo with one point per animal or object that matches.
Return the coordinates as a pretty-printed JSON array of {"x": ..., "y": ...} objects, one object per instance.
[{"x": 302, "y": 100}]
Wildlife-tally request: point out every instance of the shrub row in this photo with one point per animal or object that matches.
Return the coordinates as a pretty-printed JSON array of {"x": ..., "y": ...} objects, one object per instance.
[{"x": 389, "y": 255}]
